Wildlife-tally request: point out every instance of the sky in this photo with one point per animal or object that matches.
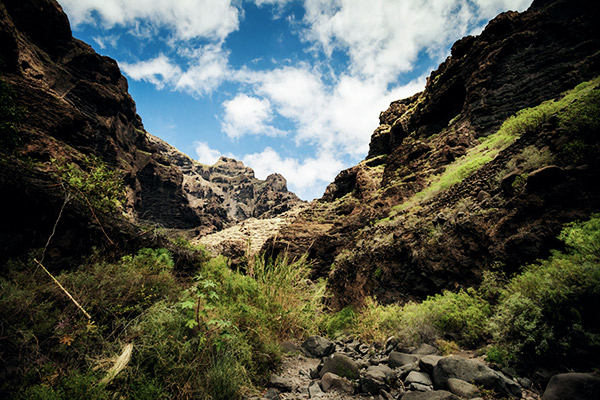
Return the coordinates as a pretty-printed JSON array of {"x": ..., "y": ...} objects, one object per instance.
[{"x": 287, "y": 86}]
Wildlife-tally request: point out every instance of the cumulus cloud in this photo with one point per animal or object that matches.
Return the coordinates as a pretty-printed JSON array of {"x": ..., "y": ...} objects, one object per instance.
[
  {"x": 205, "y": 154},
  {"x": 248, "y": 115},
  {"x": 385, "y": 37},
  {"x": 159, "y": 71},
  {"x": 307, "y": 178},
  {"x": 214, "y": 19}
]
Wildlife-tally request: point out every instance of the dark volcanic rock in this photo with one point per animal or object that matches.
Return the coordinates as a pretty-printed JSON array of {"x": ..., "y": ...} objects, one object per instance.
[
  {"x": 76, "y": 104},
  {"x": 388, "y": 237},
  {"x": 573, "y": 386}
]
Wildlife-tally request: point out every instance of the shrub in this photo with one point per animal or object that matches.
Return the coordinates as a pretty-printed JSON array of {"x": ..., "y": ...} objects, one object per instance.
[
  {"x": 93, "y": 182},
  {"x": 340, "y": 322},
  {"x": 547, "y": 313},
  {"x": 11, "y": 116}
]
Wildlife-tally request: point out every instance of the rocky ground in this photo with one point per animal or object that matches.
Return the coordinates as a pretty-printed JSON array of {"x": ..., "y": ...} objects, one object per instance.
[{"x": 348, "y": 369}]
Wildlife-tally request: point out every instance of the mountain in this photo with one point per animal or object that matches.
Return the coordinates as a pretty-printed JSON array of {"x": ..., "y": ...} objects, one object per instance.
[
  {"x": 447, "y": 191},
  {"x": 75, "y": 105}
]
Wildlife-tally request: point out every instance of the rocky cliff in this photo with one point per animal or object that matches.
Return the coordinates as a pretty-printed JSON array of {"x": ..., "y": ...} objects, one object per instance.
[
  {"x": 75, "y": 103},
  {"x": 447, "y": 191}
]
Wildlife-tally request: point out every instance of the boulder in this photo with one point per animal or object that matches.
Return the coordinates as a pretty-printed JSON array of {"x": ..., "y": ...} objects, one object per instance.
[
  {"x": 283, "y": 384},
  {"x": 397, "y": 359},
  {"x": 573, "y": 386},
  {"x": 462, "y": 388},
  {"x": 418, "y": 377},
  {"x": 424, "y": 350},
  {"x": 290, "y": 347},
  {"x": 318, "y": 347},
  {"x": 432, "y": 395},
  {"x": 474, "y": 372},
  {"x": 428, "y": 363},
  {"x": 341, "y": 365},
  {"x": 332, "y": 382},
  {"x": 375, "y": 379},
  {"x": 314, "y": 390}
]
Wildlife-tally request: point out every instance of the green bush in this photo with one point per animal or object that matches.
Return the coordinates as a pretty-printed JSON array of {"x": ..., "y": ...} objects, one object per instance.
[
  {"x": 341, "y": 322},
  {"x": 548, "y": 313},
  {"x": 93, "y": 182}
]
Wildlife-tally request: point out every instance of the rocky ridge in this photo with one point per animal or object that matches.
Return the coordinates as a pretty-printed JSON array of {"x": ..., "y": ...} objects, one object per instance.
[
  {"x": 76, "y": 104},
  {"x": 377, "y": 231}
]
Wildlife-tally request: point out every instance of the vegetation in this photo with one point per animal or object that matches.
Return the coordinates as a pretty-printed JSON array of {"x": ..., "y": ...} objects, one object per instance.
[
  {"x": 212, "y": 336},
  {"x": 544, "y": 315},
  {"x": 93, "y": 182}
]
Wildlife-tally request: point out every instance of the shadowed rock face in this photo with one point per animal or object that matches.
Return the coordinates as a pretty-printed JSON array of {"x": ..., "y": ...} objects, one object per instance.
[
  {"x": 76, "y": 103},
  {"x": 367, "y": 247}
]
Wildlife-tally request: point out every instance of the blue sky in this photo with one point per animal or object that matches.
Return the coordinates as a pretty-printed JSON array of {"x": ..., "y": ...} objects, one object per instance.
[{"x": 288, "y": 86}]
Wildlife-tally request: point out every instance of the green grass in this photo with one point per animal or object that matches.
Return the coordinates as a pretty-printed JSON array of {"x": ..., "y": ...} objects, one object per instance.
[
  {"x": 575, "y": 118},
  {"x": 230, "y": 345},
  {"x": 547, "y": 314}
]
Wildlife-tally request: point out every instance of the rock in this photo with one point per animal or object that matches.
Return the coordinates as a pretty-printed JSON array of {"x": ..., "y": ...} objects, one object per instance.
[
  {"x": 272, "y": 394},
  {"x": 475, "y": 372},
  {"x": 332, "y": 382},
  {"x": 419, "y": 387},
  {"x": 397, "y": 359},
  {"x": 289, "y": 347},
  {"x": 573, "y": 386},
  {"x": 425, "y": 350},
  {"x": 390, "y": 344},
  {"x": 432, "y": 395},
  {"x": 543, "y": 178},
  {"x": 317, "y": 347},
  {"x": 314, "y": 390},
  {"x": 418, "y": 377},
  {"x": 340, "y": 364},
  {"x": 462, "y": 388},
  {"x": 283, "y": 384},
  {"x": 375, "y": 379},
  {"x": 428, "y": 363}
]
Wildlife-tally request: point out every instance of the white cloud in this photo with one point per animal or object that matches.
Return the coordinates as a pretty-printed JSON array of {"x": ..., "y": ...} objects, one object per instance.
[
  {"x": 385, "y": 37},
  {"x": 307, "y": 178},
  {"x": 205, "y": 154},
  {"x": 106, "y": 41},
  {"x": 207, "y": 70},
  {"x": 213, "y": 19},
  {"x": 248, "y": 115},
  {"x": 159, "y": 71}
]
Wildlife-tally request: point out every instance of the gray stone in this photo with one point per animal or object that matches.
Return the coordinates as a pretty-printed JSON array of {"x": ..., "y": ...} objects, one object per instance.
[
  {"x": 432, "y": 395},
  {"x": 374, "y": 379},
  {"x": 424, "y": 350},
  {"x": 428, "y": 363},
  {"x": 289, "y": 347},
  {"x": 404, "y": 370},
  {"x": 474, "y": 372},
  {"x": 418, "y": 377},
  {"x": 341, "y": 365},
  {"x": 332, "y": 382},
  {"x": 462, "y": 388},
  {"x": 397, "y": 359},
  {"x": 314, "y": 390},
  {"x": 283, "y": 384},
  {"x": 272, "y": 394},
  {"x": 318, "y": 347},
  {"x": 419, "y": 387},
  {"x": 573, "y": 386}
]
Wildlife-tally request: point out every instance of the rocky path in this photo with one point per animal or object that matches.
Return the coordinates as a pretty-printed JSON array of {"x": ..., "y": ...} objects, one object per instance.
[{"x": 321, "y": 369}]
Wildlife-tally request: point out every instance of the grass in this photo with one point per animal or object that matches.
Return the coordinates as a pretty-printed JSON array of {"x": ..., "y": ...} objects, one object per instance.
[
  {"x": 139, "y": 304},
  {"x": 545, "y": 315},
  {"x": 576, "y": 113}
]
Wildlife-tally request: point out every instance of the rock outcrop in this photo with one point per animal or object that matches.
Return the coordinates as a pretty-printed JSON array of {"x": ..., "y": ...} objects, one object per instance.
[
  {"x": 390, "y": 227},
  {"x": 76, "y": 103}
]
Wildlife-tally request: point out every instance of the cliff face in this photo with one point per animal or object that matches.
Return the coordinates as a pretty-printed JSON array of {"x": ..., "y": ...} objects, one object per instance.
[
  {"x": 76, "y": 103},
  {"x": 431, "y": 207}
]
